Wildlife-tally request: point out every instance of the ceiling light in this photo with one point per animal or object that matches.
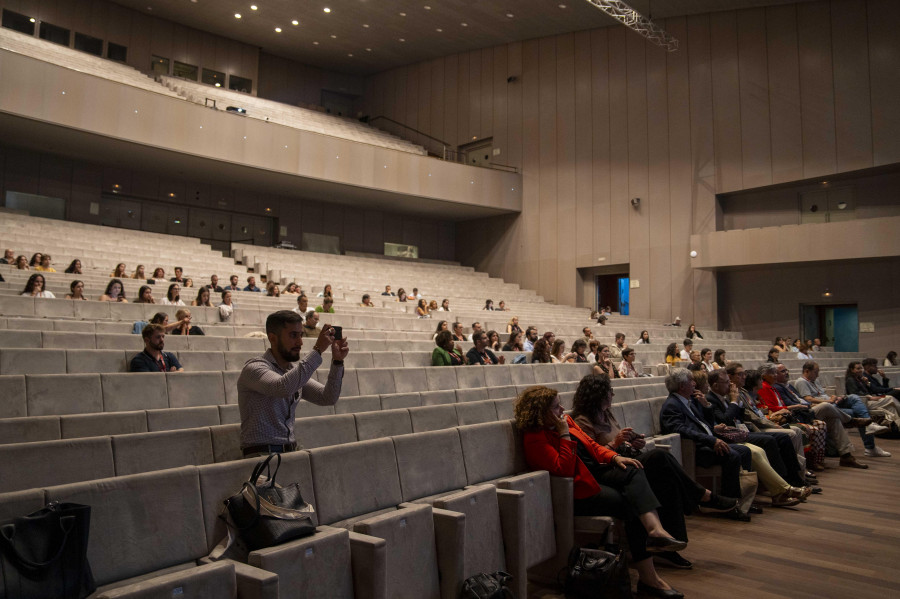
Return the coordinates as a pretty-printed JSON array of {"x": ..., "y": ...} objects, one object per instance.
[
  {"x": 622, "y": 12},
  {"x": 218, "y": 84},
  {"x": 562, "y": 5},
  {"x": 350, "y": 55},
  {"x": 278, "y": 30},
  {"x": 315, "y": 43},
  {"x": 427, "y": 7},
  {"x": 401, "y": 39},
  {"x": 334, "y": 37},
  {"x": 31, "y": 19},
  {"x": 295, "y": 22},
  {"x": 237, "y": 15},
  {"x": 368, "y": 49},
  {"x": 510, "y": 15},
  {"x": 253, "y": 7},
  {"x": 366, "y": 25},
  {"x": 464, "y": 24},
  {"x": 326, "y": 9},
  {"x": 403, "y": 14},
  {"x": 439, "y": 30}
]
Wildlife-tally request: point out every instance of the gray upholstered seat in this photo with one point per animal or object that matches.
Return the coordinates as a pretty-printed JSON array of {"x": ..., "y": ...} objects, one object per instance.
[
  {"x": 386, "y": 423},
  {"x": 322, "y": 431},
  {"x": 134, "y": 391},
  {"x": 63, "y": 394}
]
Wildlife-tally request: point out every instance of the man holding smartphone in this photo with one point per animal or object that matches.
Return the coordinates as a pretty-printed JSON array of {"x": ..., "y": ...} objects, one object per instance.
[{"x": 271, "y": 386}]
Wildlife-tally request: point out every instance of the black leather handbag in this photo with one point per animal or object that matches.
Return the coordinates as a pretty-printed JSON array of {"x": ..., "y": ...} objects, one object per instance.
[
  {"x": 44, "y": 555},
  {"x": 595, "y": 574},
  {"x": 488, "y": 586},
  {"x": 266, "y": 514}
]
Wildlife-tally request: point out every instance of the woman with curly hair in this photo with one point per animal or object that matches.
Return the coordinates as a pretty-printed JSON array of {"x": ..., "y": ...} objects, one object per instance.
[
  {"x": 541, "y": 352},
  {"x": 74, "y": 267},
  {"x": 605, "y": 483},
  {"x": 115, "y": 292},
  {"x": 446, "y": 353},
  {"x": 494, "y": 342},
  {"x": 678, "y": 493},
  {"x": 672, "y": 357}
]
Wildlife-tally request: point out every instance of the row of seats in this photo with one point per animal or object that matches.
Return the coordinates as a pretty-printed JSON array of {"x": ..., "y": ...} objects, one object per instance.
[{"x": 383, "y": 506}]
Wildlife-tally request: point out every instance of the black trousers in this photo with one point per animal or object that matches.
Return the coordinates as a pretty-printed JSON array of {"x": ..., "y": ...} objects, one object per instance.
[
  {"x": 678, "y": 493},
  {"x": 625, "y": 494},
  {"x": 738, "y": 456},
  {"x": 781, "y": 455}
]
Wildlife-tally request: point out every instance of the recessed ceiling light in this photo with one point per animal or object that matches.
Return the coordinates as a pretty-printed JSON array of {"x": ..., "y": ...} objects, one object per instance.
[
  {"x": 315, "y": 43},
  {"x": 401, "y": 39},
  {"x": 439, "y": 30},
  {"x": 562, "y": 5},
  {"x": 32, "y": 18},
  {"x": 427, "y": 7},
  {"x": 403, "y": 14},
  {"x": 278, "y": 30},
  {"x": 368, "y": 49},
  {"x": 366, "y": 25},
  {"x": 334, "y": 37},
  {"x": 350, "y": 55},
  {"x": 295, "y": 22},
  {"x": 217, "y": 85},
  {"x": 237, "y": 15},
  {"x": 464, "y": 24},
  {"x": 326, "y": 9},
  {"x": 253, "y": 7},
  {"x": 510, "y": 15}
]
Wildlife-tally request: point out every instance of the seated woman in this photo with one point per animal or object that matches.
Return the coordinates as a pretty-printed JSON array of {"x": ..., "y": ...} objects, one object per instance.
[
  {"x": 593, "y": 350},
  {"x": 145, "y": 295},
  {"x": 422, "y": 309},
  {"x": 183, "y": 327},
  {"x": 447, "y": 353},
  {"x": 202, "y": 298},
  {"x": 514, "y": 343},
  {"x": 719, "y": 360},
  {"x": 604, "y": 364},
  {"x": 139, "y": 272},
  {"x": 677, "y": 492},
  {"x": 188, "y": 282},
  {"x": 119, "y": 272},
  {"x": 226, "y": 308},
  {"x": 272, "y": 289},
  {"x": 74, "y": 267},
  {"x": 890, "y": 359},
  {"x": 773, "y": 355},
  {"x": 401, "y": 295},
  {"x": 558, "y": 353},
  {"x": 606, "y": 483},
  {"x": 432, "y": 306},
  {"x": 541, "y": 352},
  {"x": 76, "y": 291},
  {"x": 494, "y": 343},
  {"x": 291, "y": 289},
  {"x": 115, "y": 292},
  {"x": 513, "y": 325},
  {"x": 36, "y": 259},
  {"x": 645, "y": 338},
  {"x": 706, "y": 358},
  {"x": 159, "y": 274},
  {"x": 445, "y": 306},
  {"x": 489, "y": 305},
  {"x": 441, "y": 326},
  {"x": 173, "y": 296},
  {"x": 693, "y": 333},
  {"x": 579, "y": 347},
  {"x": 326, "y": 292},
  {"x": 162, "y": 319},
  {"x": 672, "y": 356},
  {"x": 22, "y": 263},
  {"x": 626, "y": 368}
]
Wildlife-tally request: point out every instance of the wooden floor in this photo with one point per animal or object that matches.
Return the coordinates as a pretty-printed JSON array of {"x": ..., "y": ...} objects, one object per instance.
[{"x": 844, "y": 543}]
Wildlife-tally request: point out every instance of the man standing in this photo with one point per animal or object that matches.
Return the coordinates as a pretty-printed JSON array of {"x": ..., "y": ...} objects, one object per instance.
[
  {"x": 214, "y": 284},
  {"x": 530, "y": 337},
  {"x": 153, "y": 358},
  {"x": 480, "y": 354},
  {"x": 271, "y": 386}
]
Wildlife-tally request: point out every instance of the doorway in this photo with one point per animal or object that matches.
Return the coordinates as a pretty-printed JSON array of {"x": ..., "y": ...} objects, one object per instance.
[
  {"x": 613, "y": 291},
  {"x": 836, "y": 325}
]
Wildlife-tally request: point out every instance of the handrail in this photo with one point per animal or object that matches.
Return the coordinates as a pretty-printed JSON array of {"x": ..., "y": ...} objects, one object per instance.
[{"x": 413, "y": 129}]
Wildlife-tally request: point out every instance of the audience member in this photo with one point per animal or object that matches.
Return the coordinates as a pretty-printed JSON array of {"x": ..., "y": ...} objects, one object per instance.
[
  {"x": 35, "y": 260},
  {"x": 780, "y": 344},
  {"x": 415, "y": 294},
  {"x": 119, "y": 272},
  {"x": 327, "y": 306},
  {"x": 387, "y": 291},
  {"x": 480, "y": 354},
  {"x": 432, "y": 306},
  {"x": 9, "y": 257},
  {"x": 441, "y": 326},
  {"x": 447, "y": 353},
  {"x": 251, "y": 285},
  {"x": 271, "y": 386},
  {"x": 593, "y": 351},
  {"x": 139, "y": 273},
  {"x": 22, "y": 263},
  {"x": 184, "y": 324},
  {"x": 188, "y": 282},
  {"x": 476, "y": 328},
  {"x": 870, "y": 383},
  {"x": 696, "y": 362},
  {"x": 795, "y": 346},
  {"x": 817, "y": 345},
  {"x": 513, "y": 325},
  {"x": 531, "y": 336},
  {"x": 159, "y": 274},
  {"x": 74, "y": 267},
  {"x": 366, "y": 301},
  {"x": 145, "y": 295},
  {"x": 34, "y": 287},
  {"x": 540, "y": 354},
  {"x": 445, "y": 306},
  {"x": 676, "y": 322},
  {"x": 588, "y": 334},
  {"x": 233, "y": 284},
  {"x": 76, "y": 290},
  {"x": 310, "y": 327},
  {"x": 494, "y": 342},
  {"x": 302, "y": 305},
  {"x": 615, "y": 351},
  {"x": 604, "y": 364},
  {"x": 685, "y": 354},
  {"x": 422, "y": 309},
  {"x": 645, "y": 338},
  {"x": 401, "y": 295},
  {"x": 607, "y": 484},
  {"x": 45, "y": 265},
  {"x": 579, "y": 348},
  {"x": 489, "y": 305},
  {"x": 719, "y": 359},
  {"x": 706, "y": 357},
  {"x": 173, "y": 296},
  {"x": 693, "y": 333},
  {"x": 202, "y": 298},
  {"x": 501, "y": 307},
  {"x": 292, "y": 289},
  {"x": 153, "y": 358},
  {"x": 514, "y": 343},
  {"x": 890, "y": 359},
  {"x": 162, "y": 319},
  {"x": 457, "y": 332},
  {"x": 214, "y": 284},
  {"x": 677, "y": 492},
  {"x": 773, "y": 355},
  {"x": 558, "y": 351},
  {"x": 326, "y": 291},
  {"x": 272, "y": 289},
  {"x": 179, "y": 276},
  {"x": 601, "y": 320},
  {"x": 226, "y": 308},
  {"x": 550, "y": 337},
  {"x": 626, "y": 368},
  {"x": 803, "y": 351},
  {"x": 672, "y": 356}
]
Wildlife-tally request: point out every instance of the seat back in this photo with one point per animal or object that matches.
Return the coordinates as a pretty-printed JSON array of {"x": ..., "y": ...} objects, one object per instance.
[
  {"x": 429, "y": 463},
  {"x": 491, "y": 450}
]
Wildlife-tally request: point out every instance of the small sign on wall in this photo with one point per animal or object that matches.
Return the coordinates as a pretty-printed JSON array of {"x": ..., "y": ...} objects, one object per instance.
[{"x": 867, "y": 327}]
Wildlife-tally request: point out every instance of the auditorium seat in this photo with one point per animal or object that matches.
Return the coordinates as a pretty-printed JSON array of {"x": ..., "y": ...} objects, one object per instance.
[{"x": 322, "y": 431}]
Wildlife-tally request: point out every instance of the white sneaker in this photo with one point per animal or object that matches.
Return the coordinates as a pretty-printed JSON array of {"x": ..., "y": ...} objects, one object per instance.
[
  {"x": 877, "y": 453},
  {"x": 874, "y": 429}
]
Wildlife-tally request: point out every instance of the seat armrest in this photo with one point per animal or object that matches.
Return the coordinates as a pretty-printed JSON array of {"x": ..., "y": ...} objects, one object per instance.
[
  {"x": 207, "y": 580},
  {"x": 512, "y": 525},
  {"x": 368, "y": 558},
  {"x": 252, "y": 582},
  {"x": 450, "y": 539},
  {"x": 689, "y": 457}
]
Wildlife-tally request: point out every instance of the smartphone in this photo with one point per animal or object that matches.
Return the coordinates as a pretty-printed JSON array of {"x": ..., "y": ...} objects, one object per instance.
[{"x": 338, "y": 332}]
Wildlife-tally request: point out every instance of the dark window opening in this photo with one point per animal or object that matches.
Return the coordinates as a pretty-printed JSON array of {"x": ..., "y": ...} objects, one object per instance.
[
  {"x": 211, "y": 77},
  {"x": 86, "y": 43},
  {"x": 119, "y": 53},
  {"x": 16, "y": 22},
  {"x": 240, "y": 84},
  {"x": 159, "y": 65},
  {"x": 55, "y": 34},
  {"x": 185, "y": 71}
]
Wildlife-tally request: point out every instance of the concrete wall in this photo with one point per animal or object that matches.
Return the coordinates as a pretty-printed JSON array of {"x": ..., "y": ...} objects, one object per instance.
[{"x": 753, "y": 98}]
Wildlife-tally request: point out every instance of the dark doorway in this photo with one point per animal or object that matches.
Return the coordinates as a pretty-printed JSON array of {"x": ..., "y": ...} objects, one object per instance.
[
  {"x": 612, "y": 291},
  {"x": 834, "y": 324}
]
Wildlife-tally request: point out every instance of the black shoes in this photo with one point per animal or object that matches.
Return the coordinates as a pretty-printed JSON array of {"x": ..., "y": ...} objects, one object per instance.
[
  {"x": 755, "y": 509},
  {"x": 737, "y": 514},
  {"x": 648, "y": 591},
  {"x": 718, "y": 503},
  {"x": 661, "y": 544},
  {"x": 673, "y": 560}
]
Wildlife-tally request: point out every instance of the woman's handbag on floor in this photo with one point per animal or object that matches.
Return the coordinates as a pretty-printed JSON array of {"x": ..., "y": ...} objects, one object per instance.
[
  {"x": 265, "y": 514},
  {"x": 595, "y": 574},
  {"x": 44, "y": 555},
  {"x": 488, "y": 586}
]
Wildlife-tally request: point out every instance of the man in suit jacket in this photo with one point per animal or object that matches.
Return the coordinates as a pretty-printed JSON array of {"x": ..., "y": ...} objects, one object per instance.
[{"x": 681, "y": 415}]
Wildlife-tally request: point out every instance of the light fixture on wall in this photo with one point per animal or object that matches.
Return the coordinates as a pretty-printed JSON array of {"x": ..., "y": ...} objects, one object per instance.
[
  {"x": 622, "y": 12},
  {"x": 827, "y": 293},
  {"x": 635, "y": 203},
  {"x": 693, "y": 253}
]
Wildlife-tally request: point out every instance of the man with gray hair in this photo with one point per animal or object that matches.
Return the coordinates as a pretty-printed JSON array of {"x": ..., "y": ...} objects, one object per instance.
[{"x": 680, "y": 414}]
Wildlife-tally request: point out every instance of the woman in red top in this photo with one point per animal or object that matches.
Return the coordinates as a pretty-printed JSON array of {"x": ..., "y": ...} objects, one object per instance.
[{"x": 553, "y": 442}]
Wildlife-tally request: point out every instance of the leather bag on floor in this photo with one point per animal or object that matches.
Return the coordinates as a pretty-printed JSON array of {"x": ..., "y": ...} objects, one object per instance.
[
  {"x": 44, "y": 555},
  {"x": 595, "y": 574},
  {"x": 266, "y": 514},
  {"x": 488, "y": 586}
]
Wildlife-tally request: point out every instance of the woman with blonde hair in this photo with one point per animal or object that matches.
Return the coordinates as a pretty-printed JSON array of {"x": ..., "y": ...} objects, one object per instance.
[{"x": 139, "y": 272}]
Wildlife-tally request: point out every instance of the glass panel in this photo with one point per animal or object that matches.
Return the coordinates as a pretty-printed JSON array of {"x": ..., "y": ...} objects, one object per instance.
[
  {"x": 159, "y": 65},
  {"x": 240, "y": 84},
  {"x": 86, "y": 43},
  {"x": 185, "y": 71},
  {"x": 16, "y": 22},
  {"x": 57, "y": 35},
  {"x": 401, "y": 250},
  {"x": 211, "y": 77},
  {"x": 119, "y": 53}
]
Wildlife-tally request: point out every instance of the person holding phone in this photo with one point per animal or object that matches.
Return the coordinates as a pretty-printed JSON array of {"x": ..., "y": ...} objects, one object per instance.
[{"x": 271, "y": 386}]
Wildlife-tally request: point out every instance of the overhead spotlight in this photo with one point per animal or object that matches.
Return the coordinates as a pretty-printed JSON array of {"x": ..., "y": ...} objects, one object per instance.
[
  {"x": 326, "y": 9},
  {"x": 237, "y": 15},
  {"x": 295, "y": 22},
  {"x": 253, "y": 7},
  {"x": 218, "y": 84},
  {"x": 278, "y": 30},
  {"x": 827, "y": 293},
  {"x": 636, "y": 202},
  {"x": 32, "y": 20}
]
